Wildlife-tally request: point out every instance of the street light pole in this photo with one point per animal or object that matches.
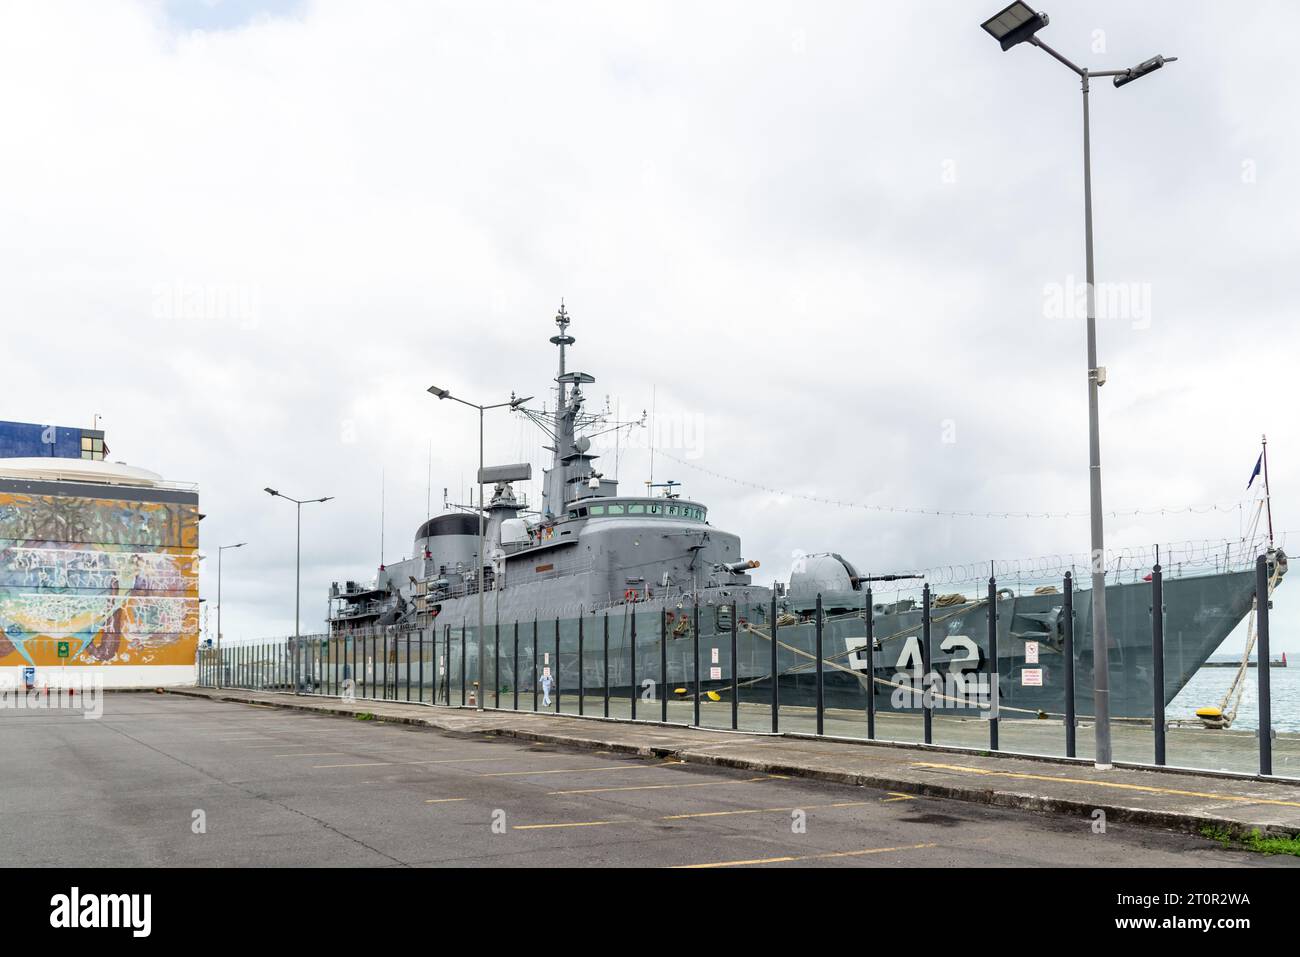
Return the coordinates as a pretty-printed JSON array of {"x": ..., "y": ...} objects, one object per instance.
[
  {"x": 220, "y": 549},
  {"x": 481, "y": 698},
  {"x": 297, "y": 580},
  {"x": 514, "y": 403},
  {"x": 1015, "y": 24}
]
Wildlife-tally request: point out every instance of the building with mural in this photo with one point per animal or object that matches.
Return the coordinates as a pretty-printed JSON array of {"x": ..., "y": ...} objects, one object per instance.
[{"x": 98, "y": 563}]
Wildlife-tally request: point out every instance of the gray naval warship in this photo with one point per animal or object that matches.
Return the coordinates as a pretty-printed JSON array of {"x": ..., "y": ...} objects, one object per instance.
[{"x": 654, "y": 571}]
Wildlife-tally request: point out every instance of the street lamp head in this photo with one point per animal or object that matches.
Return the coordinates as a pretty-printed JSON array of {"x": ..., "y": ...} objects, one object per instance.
[
  {"x": 440, "y": 393},
  {"x": 327, "y": 498},
  {"x": 517, "y": 402},
  {"x": 1016, "y": 24},
  {"x": 1143, "y": 68},
  {"x": 270, "y": 491}
]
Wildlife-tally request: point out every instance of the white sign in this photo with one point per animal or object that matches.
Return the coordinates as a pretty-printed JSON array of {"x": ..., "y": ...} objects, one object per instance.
[
  {"x": 715, "y": 656},
  {"x": 715, "y": 674},
  {"x": 1031, "y": 677},
  {"x": 1031, "y": 652},
  {"x": 546, "y": 657},
  {"x": 546, "y": 672}
]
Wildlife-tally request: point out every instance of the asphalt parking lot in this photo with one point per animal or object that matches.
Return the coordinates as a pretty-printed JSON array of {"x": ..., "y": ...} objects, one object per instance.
[{"x": 164, "y": 780}]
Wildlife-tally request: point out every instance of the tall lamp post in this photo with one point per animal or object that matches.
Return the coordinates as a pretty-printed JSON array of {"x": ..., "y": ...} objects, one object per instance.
[
  {"x": 514, "y": 403},
  {"x": 220, "y": 549},
  {"x": 1017, "y": 24},
  {"x": 297, "y": 579}
]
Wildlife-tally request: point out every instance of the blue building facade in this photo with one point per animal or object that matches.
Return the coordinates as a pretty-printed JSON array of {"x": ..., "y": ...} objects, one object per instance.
[{"x": 29, "y": 440}]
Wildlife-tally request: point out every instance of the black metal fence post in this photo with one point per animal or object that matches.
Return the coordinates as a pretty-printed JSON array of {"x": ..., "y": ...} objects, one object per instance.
[
  {"x": 871, "y": 666},
  {"x": 1068, "y": 654},
  {"x": 462, "y": 664},
  {"x": 514, "y": 675},
  {"x": 663, "y": 665},
  {"x": 776, "y": 682},
  {"x": 821, "y": 702},
  {"x": 582, "y": 682},
  {"x": 695, "y": 642},
  {"x": 420, "y": 641},
  {"x": 632, "y": 689},
  {"x": 735, "y": 670},
  {"x": 557, "y": 664},
  {"x": 534, "y": 662},
  {"x": 1158, "y": 661},
  {"x": 927, "y": 688},
  {"x": 994, "y": 677},
  {"x": 605, "y": 659},
  {"x": 496, "y": 667},
  {"x": 1262, "y": 666}
]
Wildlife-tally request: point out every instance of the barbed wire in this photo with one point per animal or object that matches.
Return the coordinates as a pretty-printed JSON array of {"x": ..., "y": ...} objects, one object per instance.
[{"x": 965, "y": 513}]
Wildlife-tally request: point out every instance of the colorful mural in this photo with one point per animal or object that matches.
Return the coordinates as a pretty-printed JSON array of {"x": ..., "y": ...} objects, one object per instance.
[{"x": 114, "y": 579}]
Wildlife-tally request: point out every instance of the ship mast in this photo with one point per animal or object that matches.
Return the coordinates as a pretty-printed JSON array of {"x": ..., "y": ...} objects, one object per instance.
[
  {"x": 562, "y": 340},
  {"x": 1268, "y": 503}
]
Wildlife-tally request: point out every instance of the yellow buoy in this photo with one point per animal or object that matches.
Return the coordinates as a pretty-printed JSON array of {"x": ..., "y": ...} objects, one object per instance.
[{"x": 1211, "y": 717}]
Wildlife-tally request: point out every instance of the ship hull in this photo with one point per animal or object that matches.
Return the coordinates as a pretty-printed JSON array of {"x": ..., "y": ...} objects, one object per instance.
[{"x": 1031, "y": 666}]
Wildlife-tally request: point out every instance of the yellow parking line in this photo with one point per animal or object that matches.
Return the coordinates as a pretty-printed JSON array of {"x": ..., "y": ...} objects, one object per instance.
[
  {"x": 1108, "y": 784},
  {"x": 764, "y": 810},
  {"x": 807, "y": 857},
  {"x": 661, "y": 787},
  {"x": 542, "y": 827},
  {"x": 682, "y": 817},
  {"x": 897, "y": 797},
  {"x": 628, "y": 767}
]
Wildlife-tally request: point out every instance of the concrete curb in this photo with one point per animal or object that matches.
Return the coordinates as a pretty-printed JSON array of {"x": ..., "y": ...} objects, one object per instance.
[{"x": 1186, "y": 821}]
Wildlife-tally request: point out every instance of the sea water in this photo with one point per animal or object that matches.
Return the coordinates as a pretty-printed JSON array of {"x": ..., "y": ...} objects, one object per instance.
[{"x": 1208, "y": 686}]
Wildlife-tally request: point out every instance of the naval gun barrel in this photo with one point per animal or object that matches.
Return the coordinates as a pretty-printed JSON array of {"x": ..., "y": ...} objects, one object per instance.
[
  {"x": 738, "y": 568},
  {"x": 887, "y": 578}
]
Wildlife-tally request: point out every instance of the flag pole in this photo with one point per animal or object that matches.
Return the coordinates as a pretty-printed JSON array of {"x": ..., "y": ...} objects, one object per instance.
[{"x": 1268, "y": 503}]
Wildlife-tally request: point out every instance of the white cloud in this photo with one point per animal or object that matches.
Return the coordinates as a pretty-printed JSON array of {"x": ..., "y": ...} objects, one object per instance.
[{"x": 824, "y": 230}]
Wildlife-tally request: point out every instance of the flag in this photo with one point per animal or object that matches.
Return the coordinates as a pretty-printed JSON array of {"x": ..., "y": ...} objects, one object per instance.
[{"x": 1258, "y": 462}]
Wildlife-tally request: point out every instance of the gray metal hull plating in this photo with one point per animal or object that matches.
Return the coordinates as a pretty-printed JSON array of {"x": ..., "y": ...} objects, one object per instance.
[{"x": 1200, "y": 613}]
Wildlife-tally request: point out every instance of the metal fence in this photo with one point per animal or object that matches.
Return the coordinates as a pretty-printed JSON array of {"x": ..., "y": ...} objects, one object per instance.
[{"x": 758, "y": 668}]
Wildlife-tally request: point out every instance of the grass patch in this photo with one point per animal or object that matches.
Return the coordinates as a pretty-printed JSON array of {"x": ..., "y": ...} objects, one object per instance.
[
  {"x": 364, "y": 716},
  {"x": 1252, "y": 841}
]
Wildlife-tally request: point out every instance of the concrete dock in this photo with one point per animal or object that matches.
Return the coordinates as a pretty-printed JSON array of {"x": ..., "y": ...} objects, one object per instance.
[
  {"x": 1171, "y": 799},
  {"x": 260, "y": 779}
]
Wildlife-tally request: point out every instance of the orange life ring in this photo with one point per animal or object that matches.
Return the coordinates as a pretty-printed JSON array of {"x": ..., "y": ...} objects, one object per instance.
[{"x": 630, "y": 595}]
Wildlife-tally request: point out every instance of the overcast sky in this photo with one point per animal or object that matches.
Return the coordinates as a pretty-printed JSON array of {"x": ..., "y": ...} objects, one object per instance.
[{"x": 835, "y": 245}]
